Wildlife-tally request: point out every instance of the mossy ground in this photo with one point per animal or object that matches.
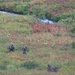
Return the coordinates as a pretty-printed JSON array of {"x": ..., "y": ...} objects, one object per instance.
[{"x": 44, "y": 48}]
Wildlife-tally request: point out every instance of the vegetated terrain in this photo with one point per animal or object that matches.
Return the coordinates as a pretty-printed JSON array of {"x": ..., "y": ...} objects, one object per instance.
[
  {"x": 47, "y": 43},
  {"x": 50, "y": 9}
]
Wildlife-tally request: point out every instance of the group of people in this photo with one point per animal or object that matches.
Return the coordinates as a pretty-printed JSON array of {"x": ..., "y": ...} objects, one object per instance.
[
  {"x": 11, "y": 48},
  {"x": 24, "y": 49},
  {"x": 52, "y": 69}
]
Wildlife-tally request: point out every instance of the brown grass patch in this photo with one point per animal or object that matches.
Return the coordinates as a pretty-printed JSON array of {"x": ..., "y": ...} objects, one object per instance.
[
  {"x": 19, "y": 58},
  {"x": 68, "y": 57}
]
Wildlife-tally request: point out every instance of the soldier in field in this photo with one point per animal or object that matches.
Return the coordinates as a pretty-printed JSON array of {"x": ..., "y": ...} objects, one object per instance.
[
  {"x": 11, "y": 48},
  {"x": 24, "y": 49}
]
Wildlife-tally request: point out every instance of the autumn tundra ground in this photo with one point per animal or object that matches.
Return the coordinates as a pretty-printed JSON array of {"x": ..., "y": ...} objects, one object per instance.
[{"x": 44, "y": 47}]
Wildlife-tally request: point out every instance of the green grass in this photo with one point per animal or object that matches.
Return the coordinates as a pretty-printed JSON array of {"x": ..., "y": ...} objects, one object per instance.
[
  {"x": 44, "y": 48},
  {"x": 51, "y": 9}
]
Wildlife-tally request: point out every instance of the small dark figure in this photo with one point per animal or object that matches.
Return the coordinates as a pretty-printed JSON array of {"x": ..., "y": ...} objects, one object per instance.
[
  {"x": 24, "y": 49},
  {"x": 11, "y": 48},
  {"x": 49, "y": 68},
  {"x": 52, "y": 69},
  {"x": 55, "y": 69}
]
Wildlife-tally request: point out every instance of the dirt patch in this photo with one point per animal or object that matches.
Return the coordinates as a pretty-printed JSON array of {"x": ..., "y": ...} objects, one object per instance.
[
  {"x": 68, "y": 57},
  {"x": 19, "y": 58}
]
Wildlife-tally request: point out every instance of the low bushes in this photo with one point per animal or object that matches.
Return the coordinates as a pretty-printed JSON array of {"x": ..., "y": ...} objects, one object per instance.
[
  {"x": 73, "y": 30},
  {"x": 29, "y": 64},
  {"x": 48, "y": 28},
  {"x": 73, "y": 44},
  {"x": 3, "y": 67}
]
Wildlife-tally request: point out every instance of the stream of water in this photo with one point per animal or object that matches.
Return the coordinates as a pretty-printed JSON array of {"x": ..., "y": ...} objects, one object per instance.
[
  {"x": 41, "y": 20},
  {"x": 10, "y": 13}
]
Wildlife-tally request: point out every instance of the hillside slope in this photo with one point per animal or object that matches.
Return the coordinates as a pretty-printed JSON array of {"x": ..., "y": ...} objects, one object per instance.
[
  {"x": 51, "y": 9},
  {"x": 52, "y": 44}
]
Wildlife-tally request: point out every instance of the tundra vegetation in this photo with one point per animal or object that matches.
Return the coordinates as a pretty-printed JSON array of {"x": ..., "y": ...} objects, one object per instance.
[{"x": 52, "y": 44}]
